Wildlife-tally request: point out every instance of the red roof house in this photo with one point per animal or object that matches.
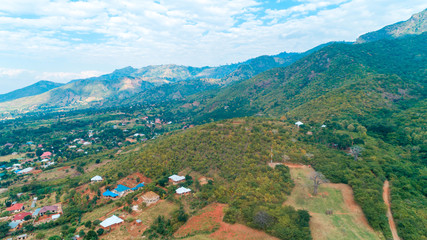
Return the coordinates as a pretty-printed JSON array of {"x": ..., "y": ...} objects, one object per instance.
[
  {"x": 46, "y": 155},
  {"x": 21, "y": 216},
  {"x": 16, "y": 207}
]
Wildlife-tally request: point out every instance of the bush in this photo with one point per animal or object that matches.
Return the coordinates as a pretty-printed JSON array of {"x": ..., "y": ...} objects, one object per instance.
[{"x": 100, "y": 231}]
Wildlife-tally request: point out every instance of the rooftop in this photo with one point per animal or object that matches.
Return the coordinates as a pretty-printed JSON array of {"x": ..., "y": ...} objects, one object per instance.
[
  {"x": 176, "y": 178},
  {"x": 109, "y": 193},
  {"x": 183, "y": 190},
  {"x": 150, "y": 195},
  {"x": 121, "y": 188},
  {"x": 17, "y": 206},
  {"x": 111, "y": 221},
  {"x": 96, "y": 178},
  {"x": 139, "y": 185}
]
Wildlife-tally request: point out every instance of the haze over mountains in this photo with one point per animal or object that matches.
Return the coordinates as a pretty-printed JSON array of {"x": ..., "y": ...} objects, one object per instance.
[{"x": 167, "y": 82}]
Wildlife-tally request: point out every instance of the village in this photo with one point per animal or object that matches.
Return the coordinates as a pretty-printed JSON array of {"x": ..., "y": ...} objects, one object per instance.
[{"x": 145, "y": 194}]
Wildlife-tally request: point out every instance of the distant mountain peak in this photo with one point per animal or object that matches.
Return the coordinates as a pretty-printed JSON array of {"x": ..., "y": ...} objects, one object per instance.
[
  {"x": 32, "y": 90},
  {"x": 415, "y": 25}
]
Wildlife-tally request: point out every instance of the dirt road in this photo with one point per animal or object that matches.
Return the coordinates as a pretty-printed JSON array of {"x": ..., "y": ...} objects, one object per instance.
[{"x": 386, "y": 197}]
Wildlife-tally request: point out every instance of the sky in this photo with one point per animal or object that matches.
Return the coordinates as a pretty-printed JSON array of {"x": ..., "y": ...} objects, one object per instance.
[{"x": 61, "y": 40}]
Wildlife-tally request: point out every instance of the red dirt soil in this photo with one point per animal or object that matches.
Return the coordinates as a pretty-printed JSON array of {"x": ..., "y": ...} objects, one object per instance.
[
  {"x": 130, "y": 180},
  {"x": 211, "y": 218},
  {"x": 206, "y": 222},
  {"x": 386, "y": 197}
]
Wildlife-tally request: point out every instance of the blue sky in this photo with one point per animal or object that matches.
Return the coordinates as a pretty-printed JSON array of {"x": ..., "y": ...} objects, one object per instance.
[{"x": 61, "y": 40}]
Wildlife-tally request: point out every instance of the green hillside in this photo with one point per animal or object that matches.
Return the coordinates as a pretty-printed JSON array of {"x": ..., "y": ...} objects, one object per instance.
[{"x": 391, "y": 72}]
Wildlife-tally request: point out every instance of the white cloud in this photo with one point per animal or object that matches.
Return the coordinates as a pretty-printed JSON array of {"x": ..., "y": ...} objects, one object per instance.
[{"x": 60, "y": 39}]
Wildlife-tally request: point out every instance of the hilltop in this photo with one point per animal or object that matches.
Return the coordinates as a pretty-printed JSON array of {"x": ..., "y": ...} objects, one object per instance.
[{"x": 415, "y": 25}]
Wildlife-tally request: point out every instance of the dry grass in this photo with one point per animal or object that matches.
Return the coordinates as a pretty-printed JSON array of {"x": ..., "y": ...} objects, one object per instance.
[
  {"x": 56, "y": 173},
  {"x": 8, "y": 157},
  {"x": 129, "y": 230},
  {"x": 98, "y": 212}
]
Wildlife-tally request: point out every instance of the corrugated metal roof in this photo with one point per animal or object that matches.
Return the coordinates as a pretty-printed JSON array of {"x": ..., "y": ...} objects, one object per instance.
[
  {"x": 111, "y": 221},
  {"x": 183, "y": 190},
  {"x": 109, "y": 193},
  {"x": 176, "y": 178},
  {"x": 121, "y": 188}
]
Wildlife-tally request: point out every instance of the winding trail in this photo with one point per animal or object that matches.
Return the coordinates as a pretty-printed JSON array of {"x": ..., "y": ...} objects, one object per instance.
[{"x": 386, "y": 197}]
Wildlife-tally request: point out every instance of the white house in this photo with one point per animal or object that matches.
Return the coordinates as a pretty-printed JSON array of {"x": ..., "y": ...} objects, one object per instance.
[
  {"x": 111, "y": 221},
  {"x": 175, "y": 179},
  {"x": 96, "y": 179},
  {"x": 183, "y": 191},
  {"x": 299, "y": 123}
]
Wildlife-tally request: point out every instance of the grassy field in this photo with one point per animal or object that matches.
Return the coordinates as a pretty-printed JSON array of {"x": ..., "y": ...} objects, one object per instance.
[
  {"x": 98, "y": 213},
  {"x": 346, "y": 222},
  {"x": 8, "y": 157}
]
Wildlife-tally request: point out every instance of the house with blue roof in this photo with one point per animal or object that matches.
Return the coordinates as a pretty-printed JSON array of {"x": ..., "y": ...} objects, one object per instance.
[
  {"x": 139, "y": 185},
  {"x": 109, "y": 193},
  {"x": 121, "y": 189},
  {"x": 15, "y": 224}
]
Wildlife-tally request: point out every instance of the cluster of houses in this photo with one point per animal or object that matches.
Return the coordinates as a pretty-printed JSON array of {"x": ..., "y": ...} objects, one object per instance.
[
  {"x": 149, "y": 197},
  {"x": 119, "y": 191},
  {"x": 175, "y": 180},
  {"x": 18, "y": 168},
  {"x": 50, "y": 213}
]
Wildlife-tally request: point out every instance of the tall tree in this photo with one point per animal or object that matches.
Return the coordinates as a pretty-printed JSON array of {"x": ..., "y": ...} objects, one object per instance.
[{"x": 318, "y": 178}]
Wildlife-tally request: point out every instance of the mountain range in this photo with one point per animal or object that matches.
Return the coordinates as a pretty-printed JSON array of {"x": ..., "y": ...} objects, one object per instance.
[
  {"x": 159, "y": 83},
  {"x": 126, "y": 82}
]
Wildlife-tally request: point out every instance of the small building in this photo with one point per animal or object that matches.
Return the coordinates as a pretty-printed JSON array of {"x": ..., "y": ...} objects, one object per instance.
[
  {"x": 138, "y": 186},
  {"x": 111, "y": 222},
  {"x": 21, "y": 216},
  {"x": 55, "y": 216},
  {"x": 14, "y": 224},
  {"x": 48, "y": 209},
  {"x": 150, "y": 198},
  {"x": 175, "y": 179},
  {"x": 25, "y": 171},
  {"x": 183, "y": 191},
  {"x": 121, "y": 189},
  {"x": 46, "y": 155},
  {"x": 16, "y": 208},
  {"x": 22, "y": 237},
  {"x": 323, "y": 126},
  {"x": 110, "y": 194},
  {"x": 97, "y": 178},
  {"x": 299, "y": 123},
  {"x": 36, "y": 212}
]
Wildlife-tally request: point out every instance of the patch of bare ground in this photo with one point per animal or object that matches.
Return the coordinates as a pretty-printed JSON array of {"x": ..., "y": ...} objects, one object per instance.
[{"x": 210, "y": 219}]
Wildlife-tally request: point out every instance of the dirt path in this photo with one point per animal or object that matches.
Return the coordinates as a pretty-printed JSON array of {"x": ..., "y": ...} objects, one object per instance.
[{"x": 386, "y": 197}]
